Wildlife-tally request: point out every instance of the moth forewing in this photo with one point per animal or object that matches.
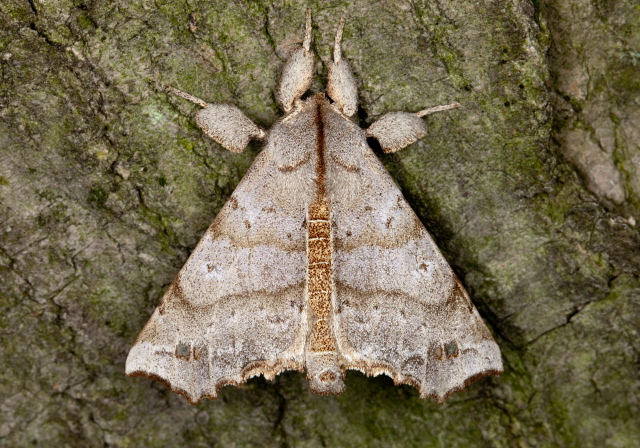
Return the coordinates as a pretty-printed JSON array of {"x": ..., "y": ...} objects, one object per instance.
[{"x": 316, "y": 263}]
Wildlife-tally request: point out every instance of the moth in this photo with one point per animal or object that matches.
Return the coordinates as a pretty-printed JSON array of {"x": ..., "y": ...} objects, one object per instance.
[{"x": 316, "y": 262}]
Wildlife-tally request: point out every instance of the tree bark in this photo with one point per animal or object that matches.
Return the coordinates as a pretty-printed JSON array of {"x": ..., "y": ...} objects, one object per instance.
[{"x": 531, "y": 190}]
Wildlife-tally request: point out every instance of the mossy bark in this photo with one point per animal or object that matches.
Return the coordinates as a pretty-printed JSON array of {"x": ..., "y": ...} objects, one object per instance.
[{"x": 106, "y": 184}]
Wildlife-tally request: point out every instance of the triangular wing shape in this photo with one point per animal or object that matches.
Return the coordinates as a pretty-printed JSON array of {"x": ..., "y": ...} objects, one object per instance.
[
  {"x": 237, "y": 308},
  {"x": 399, "y": 308}
]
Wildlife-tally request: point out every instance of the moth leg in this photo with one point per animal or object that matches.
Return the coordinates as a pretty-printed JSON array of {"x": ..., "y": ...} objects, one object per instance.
[
  {"x": 224, "y": 123},
  {"x": 297, "y": 73},
  {"x": 397, "y": 130},
  {"x": 341, "y": 85}
]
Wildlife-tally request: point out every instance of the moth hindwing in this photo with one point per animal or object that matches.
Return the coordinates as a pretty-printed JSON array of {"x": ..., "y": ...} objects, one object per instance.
[{"x": 316, "y": 262}]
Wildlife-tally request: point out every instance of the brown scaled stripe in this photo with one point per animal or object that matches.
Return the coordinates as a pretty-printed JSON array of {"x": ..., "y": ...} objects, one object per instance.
[{"x": 319, "y": 252}]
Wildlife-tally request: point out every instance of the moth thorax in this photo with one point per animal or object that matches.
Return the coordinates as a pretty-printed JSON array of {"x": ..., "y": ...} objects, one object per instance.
[{"x": 323, "y": 368}]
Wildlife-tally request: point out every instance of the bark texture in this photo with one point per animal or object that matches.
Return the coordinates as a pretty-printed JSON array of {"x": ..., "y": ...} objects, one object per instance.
[{"x": 531, "y": 189}]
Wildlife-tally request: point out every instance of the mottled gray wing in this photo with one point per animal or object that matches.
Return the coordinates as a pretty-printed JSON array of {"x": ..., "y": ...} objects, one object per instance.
[
  {"x": 399, "y": 308},
  {"x": 237, "y": 307}
]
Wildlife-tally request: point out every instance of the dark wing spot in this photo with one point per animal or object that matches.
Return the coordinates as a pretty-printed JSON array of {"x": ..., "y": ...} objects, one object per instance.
[
  {"x": 162, "y": 307},
  {"x": 276, "y": 319},
  {"x": 182, "y": 351},
  {"x": 435, "y": 351},
  {"x": 296, "y": 304},
  {"x": 413, "y": 363},
  {"x": 458, "y": 297},
  {"x": 200, "y": 351},
  {"x": 328, "y": 377},
  {"x": 451, "y": 349}
]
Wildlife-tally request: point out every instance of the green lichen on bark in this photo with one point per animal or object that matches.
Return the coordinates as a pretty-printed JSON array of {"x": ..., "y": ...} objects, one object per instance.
[
  {"x": 594, "y": 58},
  {"x": 106, "y": 184}
]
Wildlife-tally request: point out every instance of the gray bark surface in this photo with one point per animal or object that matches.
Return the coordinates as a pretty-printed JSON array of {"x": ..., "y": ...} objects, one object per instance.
[{"x": 531, "y": 190}]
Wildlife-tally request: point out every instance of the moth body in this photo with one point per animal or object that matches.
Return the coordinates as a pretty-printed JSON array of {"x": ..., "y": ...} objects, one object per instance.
[{"x": 316, "y": 262}]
